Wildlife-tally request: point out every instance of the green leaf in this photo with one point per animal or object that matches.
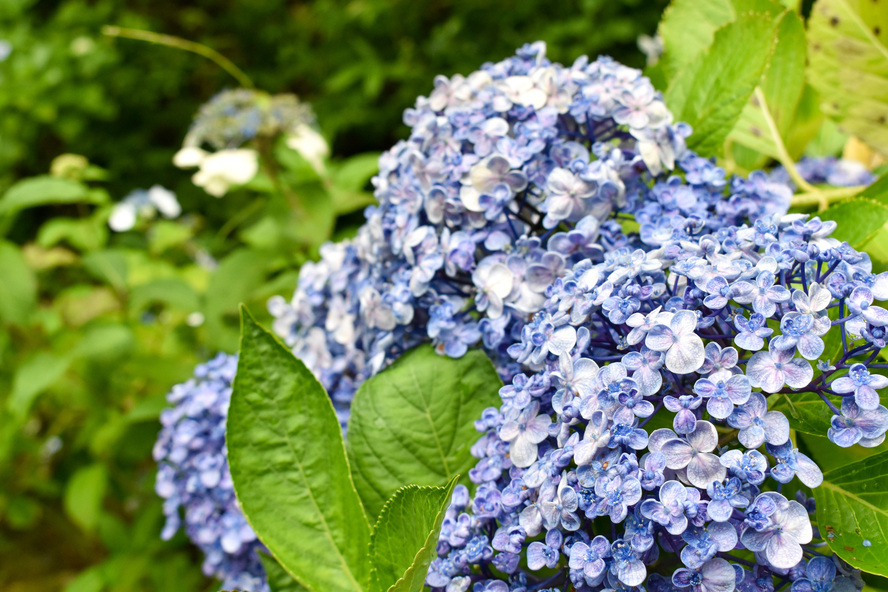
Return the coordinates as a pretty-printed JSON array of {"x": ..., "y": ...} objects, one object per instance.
[
  {"x": 172, "y": 292},
  {"x": 414, "y": 422},
  {"x": 84, "y": 494},
  {"x": 46, "y": 190},
  {"x": 806, "y": 412},
  {"x": 781, "y": 85},
  {"x": 852, "y": 506},
  {"x": 688, "y": 28},
  {"x": 165, "y": 234},
  {"x": 86, "y": 234},
  {"x": 811, "y": 132},
  {"x": 108, "y": 265},
  {"x": 89, "y": 580},
  {"x": 346, "y": 201},
  {"x": 350, "y": 180},
  {"x": 104, "y": 342},
  {"x": 33, "y": 377},
  {"x": 878, "y": 191},
  {"x": 278, "y": 578},
  {"x": 232, "y": 282},
  {"x": 18, "y": 286},
  {"x": 289, "y": 467},
  {"x": 354, "y": 173},
  {"x": 858, "y": 220},
  {"x": 403, "y": 543},
  {"x": 874, "y": 583},
  {"x": 711, "y": 92},
  {"x": 829, "y": 456},
  {"x": 848, "y": 65}
]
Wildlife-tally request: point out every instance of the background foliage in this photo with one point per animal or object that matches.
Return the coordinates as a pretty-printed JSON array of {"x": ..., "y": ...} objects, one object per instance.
[{"x": 95, "y": 326}]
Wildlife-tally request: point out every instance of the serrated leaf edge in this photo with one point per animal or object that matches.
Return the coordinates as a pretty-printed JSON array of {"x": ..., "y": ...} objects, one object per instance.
[{"x": 385, "y": 508}]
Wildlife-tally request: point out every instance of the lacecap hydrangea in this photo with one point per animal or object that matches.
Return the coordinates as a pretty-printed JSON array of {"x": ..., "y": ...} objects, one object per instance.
[{"x": 643, "y": 445}]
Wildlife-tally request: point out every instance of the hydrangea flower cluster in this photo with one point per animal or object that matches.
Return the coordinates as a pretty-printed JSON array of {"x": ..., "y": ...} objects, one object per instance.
[
  {"x": 513, "y": 179},
  {"x": 194, "y": 481},
  {"x": 510, "y": 176},
  {"x": 234, "y": 117},
  {"x": 651, "y": 401},
  {"x": 236, "y": 122}
]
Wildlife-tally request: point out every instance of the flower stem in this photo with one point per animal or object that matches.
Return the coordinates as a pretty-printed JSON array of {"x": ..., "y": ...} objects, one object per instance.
[
  {"x": 809, "y": 195},
  {"x": 183, "y": 44}
]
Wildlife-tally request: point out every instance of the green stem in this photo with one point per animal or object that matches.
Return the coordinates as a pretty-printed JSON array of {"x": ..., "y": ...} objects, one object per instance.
[
  {"x": 828, "y": 195},
  {"x": 810, "y": 195},
  {"x": 183, "y": 44},
  {"x": 239, "y": 217}
]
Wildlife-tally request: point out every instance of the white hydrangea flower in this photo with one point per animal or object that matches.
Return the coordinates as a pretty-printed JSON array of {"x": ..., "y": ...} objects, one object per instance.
[{"x": 311, "y": 146}]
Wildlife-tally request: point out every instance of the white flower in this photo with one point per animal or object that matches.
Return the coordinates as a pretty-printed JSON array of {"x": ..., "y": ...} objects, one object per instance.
[
  {"x": 165, "y": 201},
  {"x": 123, "y": 216},
  {"x": 311, "y": 145},
  {"x": 521, "y": 90},
  {"x": 566, "y": 195},
  {"x": 684, "y": 348},
  {"x": 189, "y": 157},
  {"x": 694, "y": 454},
  {"x": 523, "y": 433},
  {"x": 146, "y": 204},
  {"x": 220, "y": 170},
  {"x": 494, "y": 282}
]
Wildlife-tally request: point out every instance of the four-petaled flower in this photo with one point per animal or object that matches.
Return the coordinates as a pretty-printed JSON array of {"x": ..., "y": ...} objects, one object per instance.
[
  {"x": 684, "y": 349},
  {"x": 590, "y": 557},
  {"x": 523, "y": 433},
  {"x": 694, "y": 454},
  {"x": 546, "y": 554},
  {"x": 774, "y": 368},
  {"x": 863, "y": 384},
  {"x": 724, "y": 390},
  {"x": 778, "y": 528},
  {"x": 757, "y": 425}
]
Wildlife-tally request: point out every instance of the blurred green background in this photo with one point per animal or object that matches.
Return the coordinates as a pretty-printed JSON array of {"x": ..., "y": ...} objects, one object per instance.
[{"x": 95, "y": 327}]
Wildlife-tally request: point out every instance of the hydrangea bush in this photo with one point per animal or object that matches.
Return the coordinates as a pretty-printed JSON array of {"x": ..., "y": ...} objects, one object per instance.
[{"x": 649, "y": 312}]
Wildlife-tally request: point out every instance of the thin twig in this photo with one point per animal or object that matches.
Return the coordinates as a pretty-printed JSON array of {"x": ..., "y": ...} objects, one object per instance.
[{"x": 183, "y": 44}]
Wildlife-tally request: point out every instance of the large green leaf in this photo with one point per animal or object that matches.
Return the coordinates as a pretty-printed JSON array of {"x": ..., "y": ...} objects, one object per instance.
[
  {"x": 403, "y": 543},
  {"x": 711, "y": 92},
  {"x": 858, "y": 220},
  {"x": 781, "y": 88},
  {"x": 848, "y": 65},
  {"x": 878, "y": 191},
  {"x": 687, "y": 30},
  {"x": 33, "y": 376},
  {"x": 852, "y": 507},
  {"x": 46, "y": 190},
  {"x": 289, "y": 467},
  {"x": 414, "y": 422}
]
